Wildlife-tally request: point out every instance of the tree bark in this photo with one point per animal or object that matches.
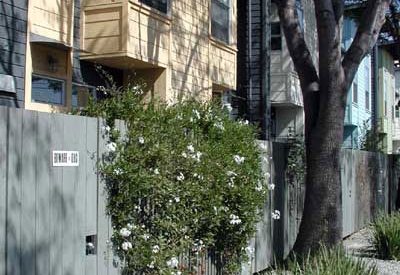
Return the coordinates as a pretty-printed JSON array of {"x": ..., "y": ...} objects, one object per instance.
[{"x": 324, "y": 96}]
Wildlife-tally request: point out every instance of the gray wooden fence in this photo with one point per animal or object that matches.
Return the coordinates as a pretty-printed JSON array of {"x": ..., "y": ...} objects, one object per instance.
[
  {"x": 369, "y": 185},
  {"x": 47, "y": 213}
]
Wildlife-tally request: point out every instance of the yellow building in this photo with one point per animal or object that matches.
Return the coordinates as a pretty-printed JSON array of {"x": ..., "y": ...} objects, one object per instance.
[{"x": 180, "y": 48}]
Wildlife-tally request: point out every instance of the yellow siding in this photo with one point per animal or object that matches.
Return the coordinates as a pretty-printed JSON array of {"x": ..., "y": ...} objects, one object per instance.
[
  {"x": 178, "y": 42},
  {"x": 103, "y": 31},
  {"x": 52, "y": 19}
]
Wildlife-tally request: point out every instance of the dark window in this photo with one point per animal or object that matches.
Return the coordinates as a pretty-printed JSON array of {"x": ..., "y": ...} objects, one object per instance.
[
  {"x": 300, "y": 15},
  {"x": 220, "y": 20},
  {"x": 48, "y": 90},
  {"x": 276, "y": 37},
  {"x": 355, "y": 92},
  {"x": 367, "y": 100},
  {"x": 397, "y": 111},
  {"x": 160, "y": 5},
  {"x": 81, "y": 95}
]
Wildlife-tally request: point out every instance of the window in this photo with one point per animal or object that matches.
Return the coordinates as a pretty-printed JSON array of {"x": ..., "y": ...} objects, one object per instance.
[
  {"x": 160, "y": 5},
  {"x": 48, "y": 90},
  {"x": 300, "y": 15},
  {"x": 367, "y": 95},
  {"x": 367, "y": 103},
  {"x": 220, "y": 20},
  {"x": 355, "y": 92},
  {"x": 276, "y": 38},
  {"x": 81, "y": 94}
]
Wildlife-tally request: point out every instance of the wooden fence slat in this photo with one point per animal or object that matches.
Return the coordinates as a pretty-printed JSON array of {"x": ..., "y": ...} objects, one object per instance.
[
  {"x": 28, "y": 197},
  {"x": 70, "y": 178},
  {"x": 91, "y": 190},
  {"x": 14, "y": 193},
  {"x": 3, "y": 187},
  {"x": 58, "y": 203},
  {"x": 80, "y": 193},
  {"x": 43, "y": 162},
  {"x": 102, "y": 219}
]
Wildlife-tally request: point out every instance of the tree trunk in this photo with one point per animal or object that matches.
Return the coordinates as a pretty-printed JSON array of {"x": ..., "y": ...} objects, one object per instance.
[{"x": 322, "y": 216}]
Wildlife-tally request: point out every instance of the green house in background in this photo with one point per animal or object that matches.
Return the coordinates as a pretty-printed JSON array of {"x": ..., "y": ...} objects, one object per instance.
[{"x": 386, "y": 99}]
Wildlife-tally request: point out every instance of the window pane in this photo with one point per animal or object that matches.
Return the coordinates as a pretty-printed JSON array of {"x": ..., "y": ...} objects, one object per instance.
[
  {"x": 367, "y": 100},
  {"x": 80, "y": 95},
  {"x": 355, "y": 92},
  {"x": 160, "y": 5},
  {"x": 220, "y": 20},
  {"x": 47, "y": 90},
  {"x": 276, "y": 28},
  {"x": 276, "y": 44}
]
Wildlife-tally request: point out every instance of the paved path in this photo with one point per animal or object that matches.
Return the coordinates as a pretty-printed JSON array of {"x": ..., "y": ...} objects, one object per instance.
[{"x": 359, "y": 245}]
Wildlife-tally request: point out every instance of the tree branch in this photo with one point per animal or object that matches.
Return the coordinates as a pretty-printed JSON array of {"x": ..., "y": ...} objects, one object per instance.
[
  {"x": 297, "y": 46},
  {"x": 367, "y": 33}
]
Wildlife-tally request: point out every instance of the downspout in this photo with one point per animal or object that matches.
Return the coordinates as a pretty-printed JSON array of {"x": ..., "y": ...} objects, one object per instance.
[
  {"x": 376, "y": 88},
  {"x": 248, "y": 67},
  {"x": 266, "y": 61}
]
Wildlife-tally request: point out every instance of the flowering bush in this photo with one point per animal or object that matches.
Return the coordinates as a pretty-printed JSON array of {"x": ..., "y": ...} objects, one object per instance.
[{"x": 181, "y": 178}]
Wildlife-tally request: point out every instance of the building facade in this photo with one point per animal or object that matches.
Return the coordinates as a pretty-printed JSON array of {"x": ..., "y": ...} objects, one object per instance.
[
  {"x": 180, "y": 49},
  {"x": 359, "y": 108},
  {"x": 287, "y": 112}
]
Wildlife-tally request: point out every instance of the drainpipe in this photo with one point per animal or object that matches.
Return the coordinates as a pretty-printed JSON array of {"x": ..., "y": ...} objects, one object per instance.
[
  {"x": 376, "y": 89},
  {"x": 266, "y": 61},
  {"x": 249, "y": 59}
]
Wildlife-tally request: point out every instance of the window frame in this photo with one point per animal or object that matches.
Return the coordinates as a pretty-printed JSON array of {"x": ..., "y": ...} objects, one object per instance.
[
  {"x": 229, "y": 42},
  {"x": 354, "y": 92},
  {"x": 276, "y": 36},
  {"x": 92, "y": 91},
  {"x": 142, "y": 2},
  {"x": 64, "y": 90}
]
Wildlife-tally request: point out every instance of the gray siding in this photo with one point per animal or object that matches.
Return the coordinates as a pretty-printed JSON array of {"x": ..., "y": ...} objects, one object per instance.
[{"x": 13, "y": 25}]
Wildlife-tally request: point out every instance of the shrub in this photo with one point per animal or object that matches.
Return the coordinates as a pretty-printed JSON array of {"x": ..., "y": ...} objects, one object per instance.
[
  {"x": 326, "y": 261},
  {"x": 183, "y": 177},
  {"x": 386, "y": 236}
]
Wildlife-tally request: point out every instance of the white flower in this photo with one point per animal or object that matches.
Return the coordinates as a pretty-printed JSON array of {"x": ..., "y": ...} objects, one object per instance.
[
  {"x": 111, "y": 147},
  {"x": 197, "y": 156},
  {"x": 131, "y": 226},
  {"x": 267, "y": 175},
  {"x": 180, "y": 177},
  {"x": 106, "y": 128},
  {"x": 249, "y": 250},
  {"x": 125, "y": 232},
  {"x": 146, "y": 237},
  {"x": 259, "y": 188},
  {"x": 173, "y": 262},
  {"x": 238, "y": 159},
  {"x": 231, "y": 183},
  {"x": 191, "y": 119},
  {"x": 276, "y": 215},
  {"x": 126, "y": 246},
  {"x": 196, "y": 114},
  {"x": 234, "y": 219},
  {"x": 177, "y": 273},
  {"x": 156, "y": 171},
  {"x": 264, "y": 159},
  {"x": 156, "y": 249},
  {"x": 228, "y": 107},
  {"x": 141, "y": 140},
  {"x": 190, "y": 148},
  {"x": 184, "y": 155},
  {"x": 263, "y": 146},
  {"x": 244, "y": 122},
  {"x": 271, "y": 186},
  {"x": 177, "y": 199},
  {"x": 219, "y": 125},
  {"x": 231, "y": 174},
  {"x": 118, "y": 171},
  {"x": 151, "y": 265}
]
